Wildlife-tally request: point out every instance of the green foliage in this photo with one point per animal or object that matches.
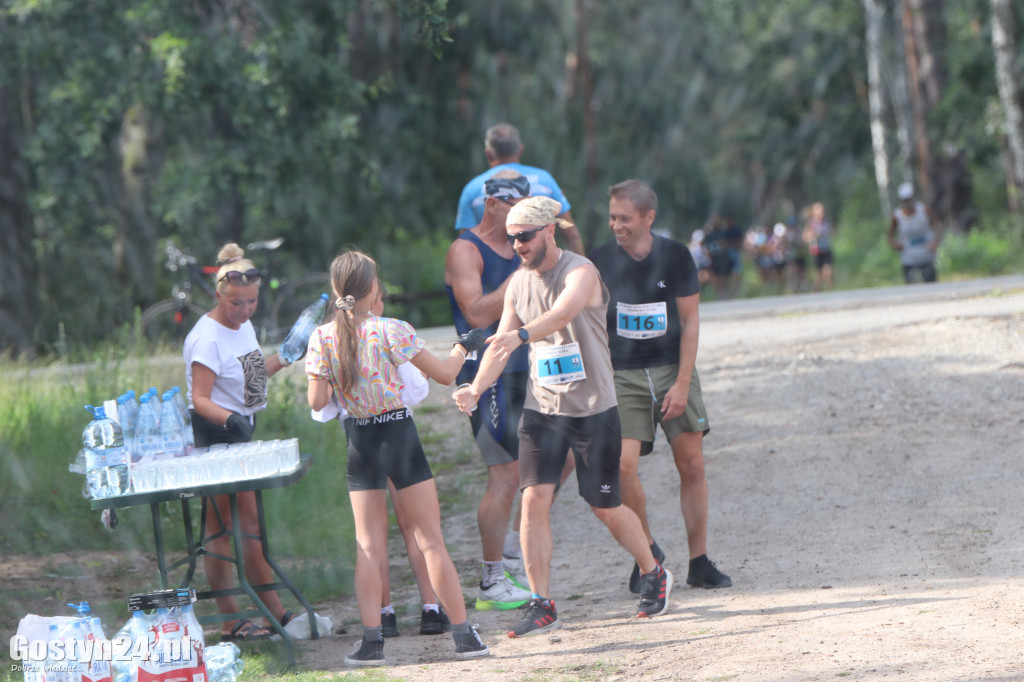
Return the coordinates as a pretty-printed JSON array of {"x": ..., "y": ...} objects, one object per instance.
[
  {"x": 358, "y": 123},
  {"x": 983, "y": 253}
]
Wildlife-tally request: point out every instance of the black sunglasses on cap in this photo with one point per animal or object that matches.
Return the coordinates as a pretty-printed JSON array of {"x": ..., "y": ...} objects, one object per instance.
[
  {"x": 250, "y": 276},
  {"x": 507, "y": 187},
  {"x": 525, "y": 235}
]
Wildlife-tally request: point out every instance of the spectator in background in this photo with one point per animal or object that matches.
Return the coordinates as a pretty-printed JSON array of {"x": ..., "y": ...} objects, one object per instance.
[
  {"x": 818, "y": 237},
  {"x": 916, "y": 234},
  {"x": 796, "y": 257},
  {"x": 701, "y": 257},
  {"x": 503, "y": 149}
]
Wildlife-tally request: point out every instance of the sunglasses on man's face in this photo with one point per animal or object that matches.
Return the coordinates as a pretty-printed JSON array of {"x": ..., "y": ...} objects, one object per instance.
[
  {"x": 525, "y": 235},
  {"x": 250, "y": 276}
]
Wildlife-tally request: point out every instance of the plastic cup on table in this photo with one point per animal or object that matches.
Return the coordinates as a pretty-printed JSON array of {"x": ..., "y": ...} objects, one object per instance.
[{"x": 144, "y": 476}]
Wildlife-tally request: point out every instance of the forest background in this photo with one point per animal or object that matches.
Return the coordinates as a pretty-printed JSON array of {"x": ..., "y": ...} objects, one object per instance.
[{"x": 123, "y": 125}]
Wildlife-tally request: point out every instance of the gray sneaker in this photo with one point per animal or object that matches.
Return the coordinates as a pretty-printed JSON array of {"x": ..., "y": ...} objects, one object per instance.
[
  {"x": 655, "y": 587},
  {"x": 389, "y": 625},
  {"x": 634, "y": 577},
  {"x": 469, "y": 645},
  {"x": 366, "y": 654}
]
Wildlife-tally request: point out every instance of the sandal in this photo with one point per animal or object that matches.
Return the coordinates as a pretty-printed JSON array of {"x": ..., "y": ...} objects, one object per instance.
[
  {"x": 286, "y": 618},
  {"x": 246, "y": 631}
]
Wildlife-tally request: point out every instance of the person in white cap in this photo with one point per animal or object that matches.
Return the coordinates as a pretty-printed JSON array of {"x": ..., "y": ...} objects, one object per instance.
[
  {"x": 556, "y": 303},
  {"x": 915, "y": 233}
]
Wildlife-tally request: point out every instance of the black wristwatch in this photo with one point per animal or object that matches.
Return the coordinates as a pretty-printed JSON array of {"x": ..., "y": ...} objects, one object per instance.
[{"x": 524, "y": 335}]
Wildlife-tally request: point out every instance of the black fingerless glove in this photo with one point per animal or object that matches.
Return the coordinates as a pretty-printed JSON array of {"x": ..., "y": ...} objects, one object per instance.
[
  {"x": 474, "y": 339},
  {"x": 240, "y": 426}
]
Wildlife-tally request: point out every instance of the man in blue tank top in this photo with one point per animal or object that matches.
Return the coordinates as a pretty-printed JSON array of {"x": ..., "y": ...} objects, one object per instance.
[{"x": 477, "y": 268}]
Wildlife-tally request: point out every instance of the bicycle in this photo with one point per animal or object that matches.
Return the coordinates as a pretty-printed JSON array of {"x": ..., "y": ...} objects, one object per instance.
[{"x": 170, "y": 320}]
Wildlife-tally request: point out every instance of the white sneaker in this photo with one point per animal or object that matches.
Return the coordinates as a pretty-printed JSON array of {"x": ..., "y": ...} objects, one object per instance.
[
  {"x": 503, "y": 595},
  {"x": 516, "y": 570}
]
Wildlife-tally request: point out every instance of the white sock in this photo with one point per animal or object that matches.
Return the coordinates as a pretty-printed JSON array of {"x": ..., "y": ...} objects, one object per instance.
[
  {"x": 431, "y": 607},
  {"x": 389, "y": 609},
  {"x": 493, "y": 571},
  {"x": 513, "y": 550}
]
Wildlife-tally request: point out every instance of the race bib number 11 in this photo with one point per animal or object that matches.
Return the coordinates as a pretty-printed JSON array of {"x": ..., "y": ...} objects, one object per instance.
[
  {"x": 560, "y": 364},
  {"x": 641, "y": 320}
]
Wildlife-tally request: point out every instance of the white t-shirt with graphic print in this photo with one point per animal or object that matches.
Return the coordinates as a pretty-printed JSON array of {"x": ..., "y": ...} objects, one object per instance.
[{"x": 235, "y": 358}]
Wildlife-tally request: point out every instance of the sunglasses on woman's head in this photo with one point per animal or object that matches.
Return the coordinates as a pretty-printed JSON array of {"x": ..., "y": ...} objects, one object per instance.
[
  {"x": 250, "y": 276},
  {"x": 524, "y": 236}
]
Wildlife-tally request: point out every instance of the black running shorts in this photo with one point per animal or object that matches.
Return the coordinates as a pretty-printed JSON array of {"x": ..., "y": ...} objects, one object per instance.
[
  {"x": 385, "y": 446},
  {"x": 596, "y": 443},
  {"x": 495, "y": 420}
]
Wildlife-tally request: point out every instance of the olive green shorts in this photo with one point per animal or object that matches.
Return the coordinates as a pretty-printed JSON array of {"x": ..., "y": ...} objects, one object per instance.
[{"x": 640, "y": 391}]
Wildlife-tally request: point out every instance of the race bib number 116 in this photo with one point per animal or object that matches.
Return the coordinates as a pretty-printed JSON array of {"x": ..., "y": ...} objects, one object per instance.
[{"x": 641, "y": 320}]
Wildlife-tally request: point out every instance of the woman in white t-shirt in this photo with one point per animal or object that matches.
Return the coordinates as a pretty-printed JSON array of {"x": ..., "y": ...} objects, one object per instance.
[{"x": 227, "y": 374}]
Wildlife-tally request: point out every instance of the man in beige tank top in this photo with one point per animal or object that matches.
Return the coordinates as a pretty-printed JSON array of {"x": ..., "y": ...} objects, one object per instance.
[{"x": 556, "y": 303}]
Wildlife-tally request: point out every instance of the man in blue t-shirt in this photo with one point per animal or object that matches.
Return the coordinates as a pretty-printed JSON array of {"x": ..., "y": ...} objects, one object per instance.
[
  {"x": 503, "y": 149},
  {"x": 653, "y": 328}
]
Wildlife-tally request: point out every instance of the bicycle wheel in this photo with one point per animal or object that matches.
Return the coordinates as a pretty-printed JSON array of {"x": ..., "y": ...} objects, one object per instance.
[
  {"x": 292, "y": 299},
  {"x": 168, "y": 322}
]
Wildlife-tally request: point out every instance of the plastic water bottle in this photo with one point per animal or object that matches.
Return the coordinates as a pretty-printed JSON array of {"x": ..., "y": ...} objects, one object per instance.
[
  {"x": 124, "y": 416},
  {"x": 54, "y": 671},
  {"x": 170, "y": 428},
  {"x": 154, "y": 397},
  {"x": 76, "y": 632},
  {"x": 148, "y": 445},
  {"x": 186, "y": 421},
  {"x": 132, "y": 403},
  {"x": 106, "y": 460},
  {"x": 294, "y": 345}
]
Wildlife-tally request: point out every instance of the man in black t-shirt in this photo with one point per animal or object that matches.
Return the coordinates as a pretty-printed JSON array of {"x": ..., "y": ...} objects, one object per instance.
[{"x": 653, "y": 327}]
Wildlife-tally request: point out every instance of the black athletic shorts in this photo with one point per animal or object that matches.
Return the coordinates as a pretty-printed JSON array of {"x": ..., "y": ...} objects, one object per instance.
[
  {"x": 596, "y": 443},
  {"x": 495, "y": 421},
  {"x": 823, "y": 258},
  {"x": 385, "y": 446}
]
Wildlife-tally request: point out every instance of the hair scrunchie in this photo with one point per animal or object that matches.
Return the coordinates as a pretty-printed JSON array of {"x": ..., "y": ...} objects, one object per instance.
[{"x": 344, "y": 302}]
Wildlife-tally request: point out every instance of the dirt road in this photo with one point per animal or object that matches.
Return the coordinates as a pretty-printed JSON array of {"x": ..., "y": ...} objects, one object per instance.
[{"x": 865, "y": 474}]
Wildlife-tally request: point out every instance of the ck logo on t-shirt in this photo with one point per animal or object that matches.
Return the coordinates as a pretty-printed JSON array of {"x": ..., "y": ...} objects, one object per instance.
[{"x": 662, "y": 285}]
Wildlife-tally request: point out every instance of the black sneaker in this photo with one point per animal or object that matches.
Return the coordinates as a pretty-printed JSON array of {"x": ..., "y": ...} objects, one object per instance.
[
  {"x": 540, "y": 617},
  {"x": 389, "y": 625},
  {"x": 367, "y": 654},
  {"x": 468, "y": 645},
  {"x": 655, "y": 587},
  {"x": 704, "y": 573},
  {"x": 434, "y": 622},
  {"x": 634, "y": 577}
]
